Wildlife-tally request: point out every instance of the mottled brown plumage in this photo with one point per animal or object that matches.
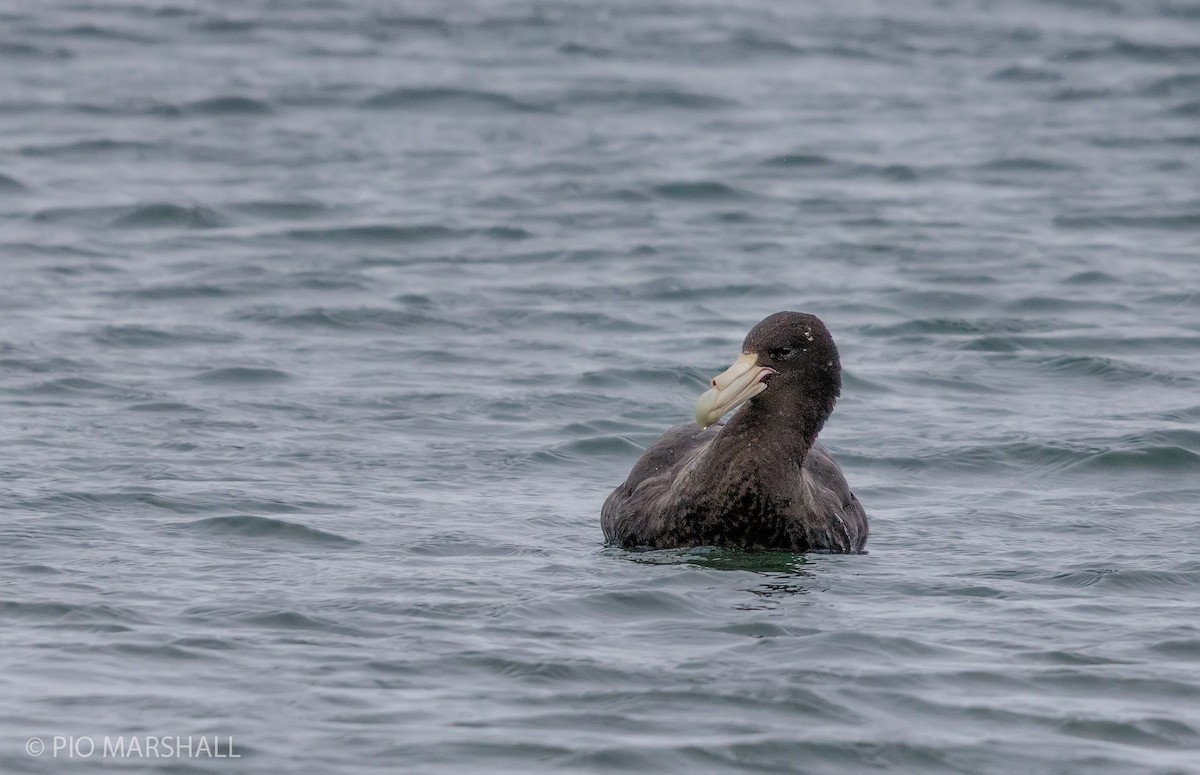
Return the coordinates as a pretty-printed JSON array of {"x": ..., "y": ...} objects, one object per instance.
[{"x": 760, "y": 480}]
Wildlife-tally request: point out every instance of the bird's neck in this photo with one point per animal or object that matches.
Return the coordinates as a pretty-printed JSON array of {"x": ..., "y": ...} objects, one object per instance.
[
  {"x": 789, "y": 432},
  {"x": 753, "y": 448}
]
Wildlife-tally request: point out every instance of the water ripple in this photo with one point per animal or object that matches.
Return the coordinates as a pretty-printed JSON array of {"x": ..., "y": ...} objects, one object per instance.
[
  {"x": 252, "y": 528},
  {"x": 329, "y": 326},
  {"x": 450, "y": 99},
  {"x": 242, "y": 375}
]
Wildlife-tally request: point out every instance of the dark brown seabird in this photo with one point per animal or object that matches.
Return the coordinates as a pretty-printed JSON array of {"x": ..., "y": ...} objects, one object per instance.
[{"x": 760, "y": 480}]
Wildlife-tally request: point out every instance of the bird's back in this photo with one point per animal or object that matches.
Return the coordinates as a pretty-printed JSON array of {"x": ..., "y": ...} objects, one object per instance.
[
  {"x": 813, "y": 509},
  {"x": 643, "y": 509},
  {"x": 828, "y": 513}
]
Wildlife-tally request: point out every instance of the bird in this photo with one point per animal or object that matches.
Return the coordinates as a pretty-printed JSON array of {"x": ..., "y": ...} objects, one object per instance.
[{"x": 761, "y": 480}]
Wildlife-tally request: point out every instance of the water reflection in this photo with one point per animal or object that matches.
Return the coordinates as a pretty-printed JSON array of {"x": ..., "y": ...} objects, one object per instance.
[
  {"x": 781, "y": 574},
  {"x": 720, "y": 559}
]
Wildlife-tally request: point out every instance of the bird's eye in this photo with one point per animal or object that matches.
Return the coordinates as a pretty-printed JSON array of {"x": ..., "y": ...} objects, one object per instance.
[{"x": 779, "y": 353}]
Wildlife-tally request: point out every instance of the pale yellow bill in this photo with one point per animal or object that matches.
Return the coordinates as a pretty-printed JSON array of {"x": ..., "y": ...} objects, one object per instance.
[{"x": 731, "y": 388}]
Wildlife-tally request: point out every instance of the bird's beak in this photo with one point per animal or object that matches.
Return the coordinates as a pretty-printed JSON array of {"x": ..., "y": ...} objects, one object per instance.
[{"x": 732, "y": 388}]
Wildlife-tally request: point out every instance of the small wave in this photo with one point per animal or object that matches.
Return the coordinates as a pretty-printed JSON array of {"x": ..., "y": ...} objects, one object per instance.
[
  {"x": 951, "y": 326},
  {"x": 841, "y": 51},
  {"x": 171, "y": 292},
  {"x": 1122, "y": 48},
  {"x": 830, "y": 168},
  {"x": 1188, "y": 109},
  {"x": 1092, "y": 277},
  {"x": 10, "y": 185},
  {"x": 581, "y": 49},
  {"x": 607, "y": 445},
  {"x": 64, "y": 613},
  {"x": 1052, "y": 304},
  {"x": 848, "y": 643},
  {"x": 1181, "y": 298},
  {"x": 36, "y": 569},
  {"x": 698, "y": 190},
  {"x": 89, "y": 215},
  {"x": 566, "y": 320},
  {"x": 1126, "y": 579},
  {"x": 1179, "y": 10},
  {"x": 1109, "y": 369},
  {"x": 901, "y": 173},
  {"x": 225, "y": 26},
  {"x": 575, "y": 453},
  {"x": 13, "y": 50},
  {"x": 1154, "y": 732},
  {"x": 1078, "y": 95},
  {"x": 618, "y": 604},
  {"x": 327, "y": 281},
  {"x": 1182, "y": 437},
  {"x": 88, "y": 148},
  {"x": 146, "y": 336},
  {"x": 285, "y": 209},
  {"x": 995, "y": 344},
  {"x": 943, "y": 300},
  {"x": 52, "y": 250},
  {"x": 264, "y": 528},
  {"x": 506, "y": 233},
  {"x": 1088, "y": 344},
  {"x": 356, "y": 319},
  {"x": 856, "y": 385},
  {"x": 143, "y": 651},
  {"x": 416, "y": 98},
  {"x": 209, "y": 644},
  {"x": 645, "y": 99},
  {"x": 1164, "y": 53},
  {"x": 1174, "y": 222},
  {"x": 551, "y": 672},
  {"x": 1179, "y": 649},
  {"x": 37, "y": 365},
  {"x": 1182, "y": 414},
  {"x": 166, "y": 215},
  {"x": 1066, "y": 657},
  {"x": 984, "y": 459},
  {"x": 463, "y": 546},
  {"x": 1025, "y": 74},
  {"x": 166, "y": 407},
  {"x": 1027, "y": 164},
  {"x": 227, "y": 106},
  {"x": 376, "y": 233},
  {"x": 1173, "y": 85},
  {"x": 242, "y": 375},
  {"x": 1125, "y": 142},
  {"x": 67, "y": 386},
  {"x": 752, "y": 42},
  {"x": 605, "y": 426},
  {"x": 1162, "y": 458},
  {"x": 428, "y": 24},
  {"x": 674, "y": 289},
  {"x": 798, "y": 160},
  {"x": 96, "y": 32},
  {"x": 143, "y": 216},
  {"x": 123, "y": 502},
  {"x": 288, "y": 620}
]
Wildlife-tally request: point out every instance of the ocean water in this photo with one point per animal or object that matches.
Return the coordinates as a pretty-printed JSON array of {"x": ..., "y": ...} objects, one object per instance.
[{"x": 328, "y": 326}]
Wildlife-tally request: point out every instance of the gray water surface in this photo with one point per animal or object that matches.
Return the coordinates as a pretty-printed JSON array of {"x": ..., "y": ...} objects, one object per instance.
[{"x": 328, "y": 326}]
